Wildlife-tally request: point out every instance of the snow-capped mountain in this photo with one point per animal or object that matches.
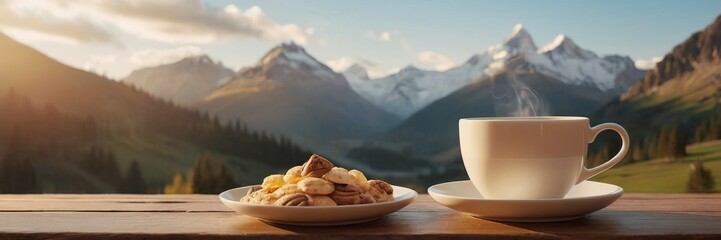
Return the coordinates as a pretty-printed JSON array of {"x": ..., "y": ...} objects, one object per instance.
[
  {"x": 290, "y": 92},
  {"x": 572, "y": 64},
  {"x": 411, "y": 89},
  {"x": 184, "y": 82}
]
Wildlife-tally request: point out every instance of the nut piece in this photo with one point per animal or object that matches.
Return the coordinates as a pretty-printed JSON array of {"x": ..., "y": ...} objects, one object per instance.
[
  {"x": 296, "y": 199},
  {"x": 346, "y": 194},
  {"x": 273, "y": 182},
  {"x": 360, "y": 179},
  {"x": 268, "y": 199},
  {"x": 381, "y": 185},
  {"x": 253, "y": 189},
  {"x": 366, "y": 198},
  {"x": 259, "y": 195},
  {"x": 339, "y": 176},
  {"x": 316, "y": 186},
  {"x": 293, "y": 174},
  {"x": 287, "y": 189},
  {"x": 322, "y": 201},
  {"x": 316, "y": 166},
  {"x": 250, "y": 196},
  {"x": 380, "y": 190}
]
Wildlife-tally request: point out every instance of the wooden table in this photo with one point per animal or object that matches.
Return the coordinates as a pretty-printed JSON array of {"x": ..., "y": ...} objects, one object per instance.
[{"x": 635, "y": 216}]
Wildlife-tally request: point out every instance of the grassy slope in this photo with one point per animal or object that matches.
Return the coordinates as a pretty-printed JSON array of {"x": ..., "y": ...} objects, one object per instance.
[
  {"x": 160, "y": 159},
  {"x": 665, "y": 177},
  {"x": 172, "y": 156}
]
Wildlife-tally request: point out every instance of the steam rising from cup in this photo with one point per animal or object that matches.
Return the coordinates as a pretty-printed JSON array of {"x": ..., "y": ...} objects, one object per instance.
[{"x": 513, "y": 98}]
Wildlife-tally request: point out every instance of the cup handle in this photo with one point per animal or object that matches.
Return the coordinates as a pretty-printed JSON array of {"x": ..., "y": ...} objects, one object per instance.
[{"x": 593, "y": 132}]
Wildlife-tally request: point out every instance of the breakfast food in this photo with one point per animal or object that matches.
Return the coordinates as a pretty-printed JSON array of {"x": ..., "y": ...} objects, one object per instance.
[{"x": 319, "y": 183}]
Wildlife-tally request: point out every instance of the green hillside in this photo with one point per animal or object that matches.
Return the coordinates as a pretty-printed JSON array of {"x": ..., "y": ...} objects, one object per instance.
[
  {"x": 663, "y": 176},
  {"x": 64, "y": 130},
  {"x": 174, "y": 156}
]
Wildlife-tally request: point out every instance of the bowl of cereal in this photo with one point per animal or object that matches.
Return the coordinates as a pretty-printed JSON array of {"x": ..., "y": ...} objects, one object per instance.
[{"x": 318, "y": 193}]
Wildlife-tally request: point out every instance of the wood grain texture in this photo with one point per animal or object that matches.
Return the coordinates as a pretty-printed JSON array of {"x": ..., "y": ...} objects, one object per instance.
[{"x": 636, "y": 216}]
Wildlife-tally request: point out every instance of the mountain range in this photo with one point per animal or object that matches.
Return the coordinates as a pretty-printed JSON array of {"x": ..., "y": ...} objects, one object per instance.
[
  {"x": 290, "y": 92},
  {"x": 411, "y": 89},
  {"x": 432, "y": 132}
]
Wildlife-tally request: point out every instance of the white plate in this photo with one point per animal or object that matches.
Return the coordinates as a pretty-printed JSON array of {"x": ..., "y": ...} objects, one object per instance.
[
  {"x": 584, "y": 198},
  {"x": 317, "y": 216}
]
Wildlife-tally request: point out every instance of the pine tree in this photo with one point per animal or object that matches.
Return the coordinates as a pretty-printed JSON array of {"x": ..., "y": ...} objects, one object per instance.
[
  {"x": 28, "y": 181},
  {"x": 714, "y": 129},
  {"x": 223, "y": 180},
  {"x": 18, "y": 173},
  {"x": 652, "y": 147},
  {"x": 675, "y": 145},
  {"x": 680, "y": 146},
  {"x": 702, "y": 131},
  {"x": 203, "y": 179},
  {"x": 8, "y": 177},
  {"x": 700, "y": 180},
  {"x": 662, "y": 143},
  {"x": 110, "y": 168},
  {"x": 639, "y": 153},
  {"x": 133, "y": 181},
  {"x": 203, "y": 175},
  {"x": 600, "y": 157}
]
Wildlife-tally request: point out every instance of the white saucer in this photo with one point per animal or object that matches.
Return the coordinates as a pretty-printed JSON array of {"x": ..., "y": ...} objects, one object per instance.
[
  {"x": 317, "y": 216},
  {"x": 584, "y": 198}
]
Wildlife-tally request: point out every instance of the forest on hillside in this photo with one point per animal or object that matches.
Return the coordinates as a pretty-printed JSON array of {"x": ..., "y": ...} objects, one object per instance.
[{"x": 35, "y": 134}]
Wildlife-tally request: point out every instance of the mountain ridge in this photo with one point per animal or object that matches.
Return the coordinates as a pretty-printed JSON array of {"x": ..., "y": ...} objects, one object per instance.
[
  {"x": 432, "y": 132},
  {"x": 288, "y": 91},
  {"x": 405, "y": 94},
  {"x": 702, "y": 46},
  {"x": 185, "y": 81}
]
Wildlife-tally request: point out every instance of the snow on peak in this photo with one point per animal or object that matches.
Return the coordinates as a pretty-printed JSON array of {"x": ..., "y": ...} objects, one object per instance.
[
  {"x": 517, "y": 29},
  {"x": 560, "y": 39},
  {"x": 290, "y": 53},
  {"x": 295, "y": 57},
  {"x": 575, "y": 65},
  {"x": 284, "y": 49},
  {"x": 519, "y": 40},
  {"x": 410, "y": 89},
  {"x": 563, "y": 45},
  {"x": 291, "y": 47}
]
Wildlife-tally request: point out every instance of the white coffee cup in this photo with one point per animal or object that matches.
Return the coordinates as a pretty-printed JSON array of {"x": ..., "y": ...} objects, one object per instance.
[{"x": 531, "y": 157}]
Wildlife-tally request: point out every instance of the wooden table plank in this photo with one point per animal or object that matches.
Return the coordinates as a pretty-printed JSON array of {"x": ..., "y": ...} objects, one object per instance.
[
  {"x": 210, "y": 203},
  {"x": 160, "y": 216}
]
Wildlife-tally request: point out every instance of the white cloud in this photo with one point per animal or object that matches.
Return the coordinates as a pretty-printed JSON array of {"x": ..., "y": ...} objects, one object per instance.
[
  {"x": 34, "y": 21},
  {"x": 385, "y": 36},
  {"x": 155, "y": 57},
  {"x": 171, "y": 21},
  {"x": 439, "y": 62},
  {"x": 374, "y": 70},
  {"x": 645, "y": 64},
  {"x": 341, "y": 64}
]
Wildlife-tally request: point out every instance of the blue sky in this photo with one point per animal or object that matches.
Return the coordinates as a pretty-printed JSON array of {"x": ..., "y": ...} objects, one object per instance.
[{"x": 341, "y": 32}]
